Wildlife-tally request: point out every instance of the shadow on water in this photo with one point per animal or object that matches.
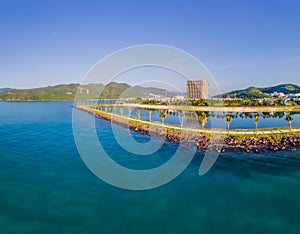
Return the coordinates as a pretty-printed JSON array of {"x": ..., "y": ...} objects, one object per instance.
[{"x": 244, "y": 165}]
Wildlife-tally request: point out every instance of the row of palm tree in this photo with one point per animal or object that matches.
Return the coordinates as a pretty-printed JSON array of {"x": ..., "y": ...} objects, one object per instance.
[
  {"x": 202, "y": 116},
  {"x": 288, "y": 118},
  {"x": 162, "y": 115},
  {"x": 209, "y": 114}
]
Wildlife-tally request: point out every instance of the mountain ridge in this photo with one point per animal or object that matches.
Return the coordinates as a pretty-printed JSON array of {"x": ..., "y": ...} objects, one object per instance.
[
  {"x": 255, "y": 92},
  {"x": 112, "y": 90},
  {"x": 4, "y": 90},
  {"x": 116, "y": 90}
]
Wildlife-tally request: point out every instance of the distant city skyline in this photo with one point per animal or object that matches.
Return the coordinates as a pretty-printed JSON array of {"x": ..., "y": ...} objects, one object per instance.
[{"x": 242, "y": 43}]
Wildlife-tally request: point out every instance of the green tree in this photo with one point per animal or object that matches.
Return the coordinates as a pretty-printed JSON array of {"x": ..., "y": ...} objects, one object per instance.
[
  {"x": 256, "y": 120},
  {"x": 228, "y": 121},
  {"x": 182, "y": 115},
  {"x": 121, "y": 110},
  {"x": 109, "y": 108},
  {"x": 150, "y": 115},
  {"x": 163, "y": 115},
  {"x": 289, "y": 119},
  {"x": 139, "y": 113},
  {"x": 202, "y": 117},
  {"x": 129, "y": 111}
]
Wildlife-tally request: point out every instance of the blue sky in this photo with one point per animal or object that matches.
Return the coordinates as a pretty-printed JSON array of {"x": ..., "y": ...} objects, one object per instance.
[{"x": 242, "y": 43}]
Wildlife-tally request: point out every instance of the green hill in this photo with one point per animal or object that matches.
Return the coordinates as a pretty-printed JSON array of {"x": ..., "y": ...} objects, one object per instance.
[
  {"x": 284, "y": 88},
  {"x": 112, "y": 90},
  {"x": 58, "y": 92},
  {"x": 254, "y": 92}
]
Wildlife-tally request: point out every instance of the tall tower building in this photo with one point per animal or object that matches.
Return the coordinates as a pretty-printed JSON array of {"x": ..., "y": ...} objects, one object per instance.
[{"x": 197, "y": 89}]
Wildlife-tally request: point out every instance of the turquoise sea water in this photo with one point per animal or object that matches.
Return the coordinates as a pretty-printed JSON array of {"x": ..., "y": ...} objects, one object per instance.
[{"x": 46, "y": 188}]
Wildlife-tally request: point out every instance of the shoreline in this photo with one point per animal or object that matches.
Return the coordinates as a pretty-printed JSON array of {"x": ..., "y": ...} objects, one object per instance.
[
  {"x": 219, "y": 143},
  {"x": 243, "y": 109},
  {"x": 36, "y": 100},
  {"x": 67, "y": 100}
]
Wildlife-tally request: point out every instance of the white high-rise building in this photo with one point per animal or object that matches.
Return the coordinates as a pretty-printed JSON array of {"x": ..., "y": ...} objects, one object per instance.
[{"x": 197, "y": 89}]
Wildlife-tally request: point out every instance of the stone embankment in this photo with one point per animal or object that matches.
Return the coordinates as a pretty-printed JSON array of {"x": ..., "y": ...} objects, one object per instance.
[
  {"x": 223, "y": 143},
  {"x": 213, "y": 142}
]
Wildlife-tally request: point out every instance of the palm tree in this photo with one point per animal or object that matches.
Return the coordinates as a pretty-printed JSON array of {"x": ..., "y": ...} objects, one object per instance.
[
  {"x": 162, "y": 115},
  {"x": 121, "y": 110},
  {"x": 139, "y": 113},
  {"x": 150, "y": 115},
  {"x": 129, "y": 111},
  {"x": 202, "y": 116},
  {"x": 182, "y": 115},
  {"x": 289, "y": 119},
  {"x": 228, "y": 121},
  {"x": 256, "y": 120}
]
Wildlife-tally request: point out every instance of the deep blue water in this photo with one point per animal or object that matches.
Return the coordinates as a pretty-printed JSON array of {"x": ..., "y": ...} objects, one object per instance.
[{"x": 46, "y": 188}]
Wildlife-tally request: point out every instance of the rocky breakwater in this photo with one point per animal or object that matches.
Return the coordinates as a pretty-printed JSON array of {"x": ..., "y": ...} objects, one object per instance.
[
  {"x": 205, "y": 142},
  {"x": 257, "y": 144},
  {"x": 223, "y": 143}
]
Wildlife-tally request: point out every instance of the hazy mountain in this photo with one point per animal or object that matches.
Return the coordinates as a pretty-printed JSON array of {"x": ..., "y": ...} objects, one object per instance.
[
  {"x": 90, "y": 91},
  {"x": 4, "y": 90},
  {"x": 254, "y": 92}
]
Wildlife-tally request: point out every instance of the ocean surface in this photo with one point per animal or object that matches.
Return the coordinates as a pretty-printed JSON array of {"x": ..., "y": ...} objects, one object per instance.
[{"x": 46, "y": 188}]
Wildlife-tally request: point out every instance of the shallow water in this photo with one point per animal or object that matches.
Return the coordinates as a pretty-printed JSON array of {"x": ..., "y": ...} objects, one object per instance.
[{"x": 46, "y": 188}]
